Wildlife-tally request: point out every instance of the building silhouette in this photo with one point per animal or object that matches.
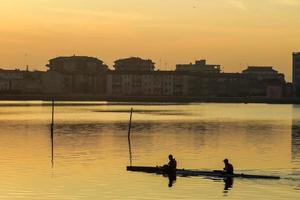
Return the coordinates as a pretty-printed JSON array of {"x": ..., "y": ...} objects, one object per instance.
[
  {"x": 263, "y": 71},
  {"x": 75, "y": 75},
  {"x": 192, "y": 80},
  {"x": 11, "y": 81},
  {"x": 20, "y": 81},
  {"x": 134, "y": 64},
  {"x": 296, "y": 74},
  {"x": 137, "y": 77},
  {"x": 199, "y": 66},
  {"x": 77, "y": 65},
  {"x": 267, "y": 81}
]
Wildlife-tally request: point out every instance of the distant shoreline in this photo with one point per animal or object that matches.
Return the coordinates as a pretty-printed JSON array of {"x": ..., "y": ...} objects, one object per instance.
[{"x": 164, "y": 99}]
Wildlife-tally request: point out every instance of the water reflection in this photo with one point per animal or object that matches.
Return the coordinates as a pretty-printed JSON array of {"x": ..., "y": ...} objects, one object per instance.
[
  {"x": 185, "y": 137},
  {"x": 92, "y": 148},
  {"x": 172, "y": 179},
  {"x": 52, "y": 147},
  {"x": 152, "y": 112},
  {"x": 295, "y": 135},
  {"x": 296, "y": 141},
  {"x": 144, "y": 127},
  {"x": 228, "y": 182}
]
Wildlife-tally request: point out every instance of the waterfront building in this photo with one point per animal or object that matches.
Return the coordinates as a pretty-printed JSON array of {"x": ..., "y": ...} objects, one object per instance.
[
  {"x": 296, "y": 74},
  {"x": 274, "y": 88},
  {"x": 197, "y": 80},
  {"x": 56, "y": 83},
  {"x": 75, "y": 75},
  {"x": 199, "y": 66},
  {"x": 73, "y": 84},
  {"x": 134, "y": 64},
  {"x": 32, "y": 82},
  {"x": 137, "y": 77},
  {"x": 260, "y": 70},
  {"x": 77, "y": 64},
  {"x": 146, "y": 83},
  {"x": 16, "y": 74},
  {"x": 218, "y": 85},
  {"x": 288, "y": 90},
  {"x": 4, "y": 86},
  {"x": 264, "y": 72},
  {"x": 266, "y": 81},
  {"x": 11, "y": 81}
]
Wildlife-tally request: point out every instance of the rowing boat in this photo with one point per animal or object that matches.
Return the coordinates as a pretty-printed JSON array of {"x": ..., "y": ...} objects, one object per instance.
[{"x": 187, "y": 172}]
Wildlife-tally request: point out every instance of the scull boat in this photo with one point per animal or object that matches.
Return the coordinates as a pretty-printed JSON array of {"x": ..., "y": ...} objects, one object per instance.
[{"x": 188, "y": 172}]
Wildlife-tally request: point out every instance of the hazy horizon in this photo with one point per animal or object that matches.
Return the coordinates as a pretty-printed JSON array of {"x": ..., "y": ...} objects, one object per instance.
[{"x": 232, "y": 33}]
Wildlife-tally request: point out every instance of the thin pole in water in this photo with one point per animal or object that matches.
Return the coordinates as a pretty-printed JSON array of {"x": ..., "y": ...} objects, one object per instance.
[
  {"x": 52, "y": 135},
  {"x": 130, "y": 120},
  {"x": 52, "y": 121},
  {"x": 129, "y": 134}
]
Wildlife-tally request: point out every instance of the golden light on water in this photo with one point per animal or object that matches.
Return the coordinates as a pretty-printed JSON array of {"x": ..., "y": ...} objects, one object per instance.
[{"x": 91, "y": 149}]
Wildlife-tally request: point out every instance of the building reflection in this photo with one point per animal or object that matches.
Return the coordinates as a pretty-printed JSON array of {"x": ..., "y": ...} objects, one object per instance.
[
  {"x": 295, "y": 138},
  {"x": 295, "y": 141}
]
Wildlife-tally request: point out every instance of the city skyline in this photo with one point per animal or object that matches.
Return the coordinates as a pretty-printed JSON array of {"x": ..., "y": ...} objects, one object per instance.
[
  {"x": 232, "y": 33},
  {"x": 150, "y": 99},
  {"x": 157, "y": 67}
]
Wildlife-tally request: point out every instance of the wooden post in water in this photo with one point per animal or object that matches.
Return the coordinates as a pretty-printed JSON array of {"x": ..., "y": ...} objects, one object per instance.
[
  {"x": 52, "y": 120},
  {"x": 52, "y": 135},
  {"x": 129, "y": 134},
  {"x": 129, "y": 126}
]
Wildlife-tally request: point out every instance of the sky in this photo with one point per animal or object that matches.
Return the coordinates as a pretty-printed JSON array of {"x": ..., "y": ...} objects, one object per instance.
[{"x": 232, "y": 33}]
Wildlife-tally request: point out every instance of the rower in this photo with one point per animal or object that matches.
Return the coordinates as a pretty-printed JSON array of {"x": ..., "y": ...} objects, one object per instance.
[
  {"x": 172, "y": 165},
  {"x": 228, "y": 167},
  {"x": 171, "y": 170}
]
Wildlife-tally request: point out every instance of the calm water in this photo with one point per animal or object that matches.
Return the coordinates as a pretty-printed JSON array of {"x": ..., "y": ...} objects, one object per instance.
[{"x": 91, "y": 150}]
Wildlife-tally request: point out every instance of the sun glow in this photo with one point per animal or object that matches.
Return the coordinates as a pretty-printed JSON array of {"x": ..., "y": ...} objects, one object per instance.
[{"x": 233, "y": 33}]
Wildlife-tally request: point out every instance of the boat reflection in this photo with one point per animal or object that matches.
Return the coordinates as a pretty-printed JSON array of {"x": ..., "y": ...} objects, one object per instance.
[
  {"x": 228, "y": 182},
  {"x": 172, "y": 179}
]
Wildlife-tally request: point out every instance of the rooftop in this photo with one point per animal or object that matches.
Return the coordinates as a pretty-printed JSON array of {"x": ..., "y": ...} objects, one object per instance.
[
  {"x": 200, "y": 65},
  {"x": 134, "y": 63},
  {"x": 259, "y": 69},
  {"x": 74, "y": 57},
  {"x": 133, "y": 60}
]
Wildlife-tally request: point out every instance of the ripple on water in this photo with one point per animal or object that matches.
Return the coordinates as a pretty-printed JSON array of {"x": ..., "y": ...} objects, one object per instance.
[{"x": 91, "y": 150}]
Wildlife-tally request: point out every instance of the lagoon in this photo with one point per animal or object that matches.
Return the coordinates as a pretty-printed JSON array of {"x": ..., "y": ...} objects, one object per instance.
[{"x": 91, "y": 149}]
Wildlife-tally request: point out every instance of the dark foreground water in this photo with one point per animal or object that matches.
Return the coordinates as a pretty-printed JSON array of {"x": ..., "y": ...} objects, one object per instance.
[{"x": 91, "y": 150}]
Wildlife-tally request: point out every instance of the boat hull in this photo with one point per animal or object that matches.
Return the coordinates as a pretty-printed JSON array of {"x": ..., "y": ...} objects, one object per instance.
[{"x": 186, "y": 172}]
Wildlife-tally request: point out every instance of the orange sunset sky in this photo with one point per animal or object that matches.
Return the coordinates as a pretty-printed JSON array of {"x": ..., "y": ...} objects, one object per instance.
[{"x": 233, "y": 33}]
